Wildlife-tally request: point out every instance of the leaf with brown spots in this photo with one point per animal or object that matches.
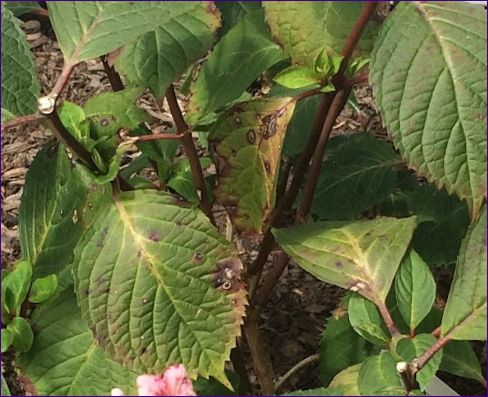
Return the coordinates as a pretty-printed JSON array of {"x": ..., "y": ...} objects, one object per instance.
[
  {"x": 362, "y": 256},
  {"x": 247, "y": 141},
  {"x": 163, "y": 287}
]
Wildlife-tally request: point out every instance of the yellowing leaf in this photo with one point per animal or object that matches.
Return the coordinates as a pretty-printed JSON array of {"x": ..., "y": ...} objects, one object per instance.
[{"x": 247, "y": 141}]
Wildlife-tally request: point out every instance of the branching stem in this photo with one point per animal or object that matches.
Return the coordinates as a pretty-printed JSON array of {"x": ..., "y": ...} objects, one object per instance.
[
  {"x": 385, "y": 313},
  {"x": 420, "y": 362}
]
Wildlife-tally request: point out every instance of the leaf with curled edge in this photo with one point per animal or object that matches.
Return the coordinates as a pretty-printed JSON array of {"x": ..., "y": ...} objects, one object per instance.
[
  {"x": 247, "y": 141},
  {"x": 158, "y": 285},
  {"x": 362, "y": 256}
]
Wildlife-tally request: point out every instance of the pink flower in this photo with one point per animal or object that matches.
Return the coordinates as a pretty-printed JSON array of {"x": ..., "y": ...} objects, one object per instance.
[{"x": 174, "y": 382}]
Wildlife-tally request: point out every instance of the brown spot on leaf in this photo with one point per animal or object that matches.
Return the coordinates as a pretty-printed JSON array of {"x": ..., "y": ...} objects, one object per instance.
[
  {"x": 251, "y": 136},
  {"x": 104, "y": 122},
  {"x": 267, "y": 166},
  {"x": 154, "y": 236},
  {"x": 228, "y": 275},
  {"x": 269, "y": 126},
  {"x": 338, "y": 264},
  {"x": 103, "y": 236},
  {"x": 198, "y": 258}
]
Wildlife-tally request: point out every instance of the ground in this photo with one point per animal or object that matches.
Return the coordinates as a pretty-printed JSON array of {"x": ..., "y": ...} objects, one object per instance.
[{"x": 295, "y": 315}]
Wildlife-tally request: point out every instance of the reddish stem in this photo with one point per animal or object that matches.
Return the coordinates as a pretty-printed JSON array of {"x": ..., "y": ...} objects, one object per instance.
[
  {"x": 390, "y": 324},
  {"x": 62, "y": 80},
  {"x": 314, "y": 171},
  {"x": 31, "y": 118},
  {"x": 157, "y": 137},
  {"x": 420, "y": 362},
  {"x": 191, "y": 152}
]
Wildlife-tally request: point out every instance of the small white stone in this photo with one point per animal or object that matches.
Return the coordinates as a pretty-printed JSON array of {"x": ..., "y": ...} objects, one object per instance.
[{"x": 354, "y": 288}]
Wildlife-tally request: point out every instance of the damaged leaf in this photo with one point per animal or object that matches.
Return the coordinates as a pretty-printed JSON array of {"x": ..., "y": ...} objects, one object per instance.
[
  {"x": 158, "y": 285},
  {"x": 362, "y": 256},
  {"x": 247, "y": 141}
]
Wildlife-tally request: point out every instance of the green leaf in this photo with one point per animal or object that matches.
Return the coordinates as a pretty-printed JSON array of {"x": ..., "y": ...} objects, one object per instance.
[
  {"x": 15, "y": 286},
  {"x": 22, "y": 334},
  {"x": 298, "y": 77},
  {"x": 43, "y": 288},
  {"x": 233, "y": 11},
  {"x": 159, "y": 57},
  {"x": 236, "y": 61},
  {"x": 321, "y": 391},
  {"x": 161, "y": 152},
  {"x": 158, "y": 285},
  {"x": 415, "y": 289},
  {"x": 340, "y": 347},
  {"x": 436, "y": 114},
  {"x": 65, "y": 360},
  {"x": 20, "y": 87},
  {"x": 458, "y": 358},
  {"x": 21, "y": 7},
  {"x": 7, "y": 116},
  {"x": 247, "y": 141},
  {"x": 305, "y": 29},
  {"x": 111, "y": 111},
  {"x": 443, "y": 222},
  {"x": 409, "y": 349},
  {"x": 90, "y": 29},
  {"x": 73, "y": 118},
  {"x": 212, "y": 387},
  {"x": 7, "y": 339},
  {"x": 362, "y": 256},
  {"x": 361, "y": 172},
  {"x": 378, "y": 377},
  {"x": 347, "y": 381},
  {"x": 182, "y": 182},
  {"x": 465, "y": 312},
  {"x": 366, "y": 320},
  {"x": 300, "y": 126},
  {"x": 50, "y": 213}
]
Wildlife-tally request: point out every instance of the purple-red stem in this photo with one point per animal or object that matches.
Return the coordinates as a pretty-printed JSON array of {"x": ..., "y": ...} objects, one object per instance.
[
  {"x": 190, "y": 151},
  {"x": 157, "y": 137},
  {"x": 338, "y": 103},
  {"x": 31, "y": 118}
]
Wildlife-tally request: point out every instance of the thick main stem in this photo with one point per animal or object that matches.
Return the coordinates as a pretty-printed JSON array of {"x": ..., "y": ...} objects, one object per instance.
[
  {"x": 191, "y": 152},
  {"x": 314, "y": 171}
]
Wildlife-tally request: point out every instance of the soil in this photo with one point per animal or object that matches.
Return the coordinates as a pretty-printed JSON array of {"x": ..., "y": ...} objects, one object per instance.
[{"x": 299, "y": 305}]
